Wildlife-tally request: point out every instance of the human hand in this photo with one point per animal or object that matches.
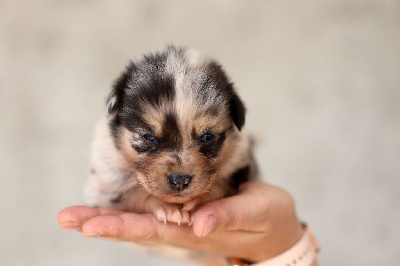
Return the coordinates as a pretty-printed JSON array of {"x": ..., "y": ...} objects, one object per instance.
[{"x": 257, "y": 224}]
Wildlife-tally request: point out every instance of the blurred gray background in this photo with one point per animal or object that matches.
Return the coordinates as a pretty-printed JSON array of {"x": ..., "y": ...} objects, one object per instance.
[{"x": 320, "y": 78}]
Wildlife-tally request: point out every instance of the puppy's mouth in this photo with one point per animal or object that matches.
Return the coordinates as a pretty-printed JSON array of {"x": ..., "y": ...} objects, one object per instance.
[{"x": 177, "y": 188}]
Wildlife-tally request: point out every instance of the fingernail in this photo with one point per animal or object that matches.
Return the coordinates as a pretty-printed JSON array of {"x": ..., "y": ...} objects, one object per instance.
[
  {"x": 70, "y": 226},
  {"x": 210, "y": 224},
  {"x": 92, "y": 234}
]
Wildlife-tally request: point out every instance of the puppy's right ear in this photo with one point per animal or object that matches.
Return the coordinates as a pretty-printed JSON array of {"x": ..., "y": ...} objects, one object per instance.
[
  {"x": 115, "y": 97},
  {"x": 112, "y": 103}
]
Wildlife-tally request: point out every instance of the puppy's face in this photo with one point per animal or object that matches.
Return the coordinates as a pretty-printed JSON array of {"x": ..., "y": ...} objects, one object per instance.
[{"x": 175, "y": 116}]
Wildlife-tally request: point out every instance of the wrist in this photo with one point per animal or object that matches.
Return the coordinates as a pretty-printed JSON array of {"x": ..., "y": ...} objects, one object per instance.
[
  {"x": 303, "y": 252},
  {"x": 283, "y": 240}
]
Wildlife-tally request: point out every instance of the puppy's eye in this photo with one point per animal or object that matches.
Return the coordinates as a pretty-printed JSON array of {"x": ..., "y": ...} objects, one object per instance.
[
  {"x": 206, "y": 137},
  {"x": 149, "y": 137}
]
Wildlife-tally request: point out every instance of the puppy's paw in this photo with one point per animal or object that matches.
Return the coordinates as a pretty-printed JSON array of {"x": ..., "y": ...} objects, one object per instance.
[
  {"x": 171, "y": 213},
  {"x": 191, "y": 205}
]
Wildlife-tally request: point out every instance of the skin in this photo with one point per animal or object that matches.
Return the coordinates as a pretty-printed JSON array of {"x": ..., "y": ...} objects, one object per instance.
[{"x": 257, "y": 224}]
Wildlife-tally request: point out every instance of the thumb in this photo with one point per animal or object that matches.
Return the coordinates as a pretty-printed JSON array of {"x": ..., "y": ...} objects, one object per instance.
[{"x": 245, "y": 211}]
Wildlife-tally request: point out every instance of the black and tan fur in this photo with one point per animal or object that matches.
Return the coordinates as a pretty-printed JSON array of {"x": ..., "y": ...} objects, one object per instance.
[{"x": 172, "y": 138}]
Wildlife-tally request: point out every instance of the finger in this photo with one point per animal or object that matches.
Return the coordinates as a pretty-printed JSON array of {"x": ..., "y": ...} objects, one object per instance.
[
  {"x": 73, "y": 217},
  {"x": 133, "y": 227},
  {"x": 245, "y": 211}
]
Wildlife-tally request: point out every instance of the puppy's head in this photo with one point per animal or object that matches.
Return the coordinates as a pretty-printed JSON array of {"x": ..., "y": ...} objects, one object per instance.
[{"x": 175, "y": 116}]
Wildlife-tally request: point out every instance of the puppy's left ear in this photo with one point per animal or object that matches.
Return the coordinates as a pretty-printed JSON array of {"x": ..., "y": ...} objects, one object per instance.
[{"x": 237, "y": 109}]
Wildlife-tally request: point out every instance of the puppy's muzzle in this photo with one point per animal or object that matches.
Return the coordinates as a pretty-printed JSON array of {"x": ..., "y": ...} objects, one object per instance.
[{"x": 179, "y": 182}]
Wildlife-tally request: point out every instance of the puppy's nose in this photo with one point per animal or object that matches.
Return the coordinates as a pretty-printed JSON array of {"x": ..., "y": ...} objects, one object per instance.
[{"x": 179, "y": 182}]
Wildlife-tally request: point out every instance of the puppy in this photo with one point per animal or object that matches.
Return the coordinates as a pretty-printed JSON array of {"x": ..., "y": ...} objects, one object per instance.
[{"x": 172, "y": 138}]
